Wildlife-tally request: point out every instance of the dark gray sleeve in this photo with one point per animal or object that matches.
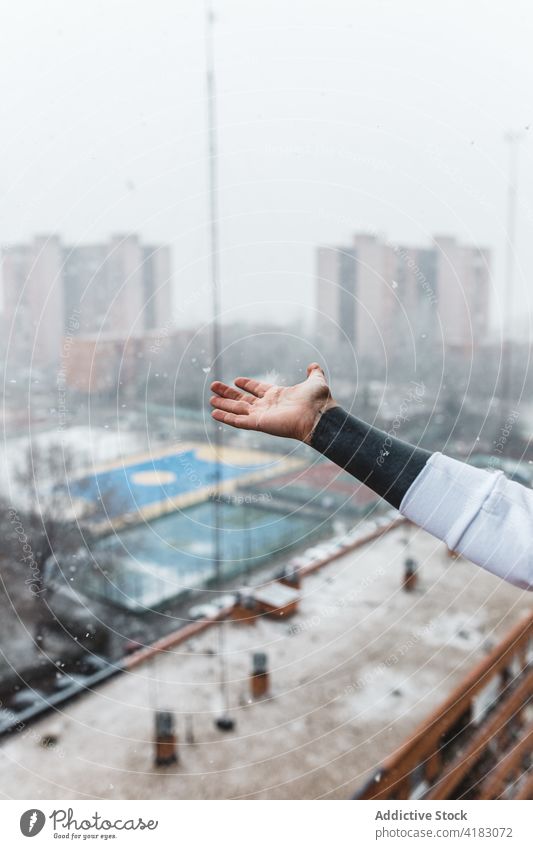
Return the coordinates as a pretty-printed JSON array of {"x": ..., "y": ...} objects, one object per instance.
[{"x": 381, "y": 461}]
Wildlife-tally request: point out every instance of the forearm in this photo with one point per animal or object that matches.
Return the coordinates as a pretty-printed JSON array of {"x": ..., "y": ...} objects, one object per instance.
[
  {"x": 480, "y": 514},
  {"x": 381, "y": 461}
]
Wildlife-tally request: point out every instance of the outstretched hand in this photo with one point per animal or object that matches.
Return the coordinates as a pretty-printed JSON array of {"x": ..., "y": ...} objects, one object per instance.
[{"x": 290, "y": 411}]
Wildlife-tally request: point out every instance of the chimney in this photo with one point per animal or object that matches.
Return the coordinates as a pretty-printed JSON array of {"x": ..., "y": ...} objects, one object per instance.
[
  {"x": 259, "y": 679},
  {"x": 410, "y": 577},
  {"x": 165, "y": 739}
]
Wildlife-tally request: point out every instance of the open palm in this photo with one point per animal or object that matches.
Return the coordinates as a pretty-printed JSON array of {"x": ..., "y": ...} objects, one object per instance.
[{"x": 290, "y": 411}]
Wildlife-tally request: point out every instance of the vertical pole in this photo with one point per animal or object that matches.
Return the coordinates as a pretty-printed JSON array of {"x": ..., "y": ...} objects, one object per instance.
[
  {"x": 513, "y": 139},
  {"x": 216, "y": 354}
]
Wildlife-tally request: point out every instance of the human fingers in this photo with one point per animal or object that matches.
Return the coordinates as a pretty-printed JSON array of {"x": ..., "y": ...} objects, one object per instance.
[
  {"x": 315, "y": 370},
  {"x": 240, "y": 408},
  {"x": 243, "y": 422},
  {"x": 255, "y": 387},
  {"x": 226, "y": 391}
]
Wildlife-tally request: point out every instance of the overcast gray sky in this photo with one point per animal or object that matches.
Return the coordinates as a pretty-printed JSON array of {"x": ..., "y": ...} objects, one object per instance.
[{"x": 334, "y": 116}]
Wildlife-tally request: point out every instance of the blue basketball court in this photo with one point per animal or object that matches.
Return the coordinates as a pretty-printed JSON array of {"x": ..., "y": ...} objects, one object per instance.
[{"x": 154, "y": 484}]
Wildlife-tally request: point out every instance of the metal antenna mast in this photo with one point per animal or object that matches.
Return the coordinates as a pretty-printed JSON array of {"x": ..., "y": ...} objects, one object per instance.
[
  {"x": 223, "y": 722},
  {"x": 513, "y": 139}
]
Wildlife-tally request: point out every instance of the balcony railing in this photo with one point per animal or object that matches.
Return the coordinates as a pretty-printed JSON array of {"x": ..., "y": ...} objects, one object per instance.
[{"x": 478, "y": 743}]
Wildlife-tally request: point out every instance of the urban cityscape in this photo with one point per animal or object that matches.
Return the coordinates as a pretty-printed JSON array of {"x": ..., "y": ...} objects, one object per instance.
[{"x": 191, "y": 610}]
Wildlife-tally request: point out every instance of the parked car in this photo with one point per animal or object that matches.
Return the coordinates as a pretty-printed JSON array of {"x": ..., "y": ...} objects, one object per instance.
[
  {"x": 209, "y": 609},
  {"x": 27, "y": 698},
  {"x": 515, "y": 470},
  {"x": 203, "y": 611},
  {"x": 64, "y": 682},
  {"x": 298, "y": 562},
  {"x": 317, "y": 552},
  {"x": 222, "y": 601},
  {"x": 382, "y": 521}
]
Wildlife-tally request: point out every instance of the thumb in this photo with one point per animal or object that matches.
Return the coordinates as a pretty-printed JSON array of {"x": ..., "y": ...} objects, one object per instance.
[{"x": 315, "y": 370}]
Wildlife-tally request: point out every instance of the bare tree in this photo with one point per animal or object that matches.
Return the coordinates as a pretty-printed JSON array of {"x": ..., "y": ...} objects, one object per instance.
[{"x": 52, "y": 523}]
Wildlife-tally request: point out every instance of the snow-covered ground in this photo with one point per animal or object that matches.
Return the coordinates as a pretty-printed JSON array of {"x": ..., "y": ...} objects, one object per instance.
[
  {"x": 353, "y": 673},
  {"x": 91, "y": 446}
]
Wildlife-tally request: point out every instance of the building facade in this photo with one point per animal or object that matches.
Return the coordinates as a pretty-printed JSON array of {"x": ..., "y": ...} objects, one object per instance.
[
  {"x": 51, "y": 290},
  {"x": 376, "y": 296}
]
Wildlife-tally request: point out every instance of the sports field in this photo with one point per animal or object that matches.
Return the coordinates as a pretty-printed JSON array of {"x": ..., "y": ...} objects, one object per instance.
[
  {"x": 142, "y": 566},
  {"x": 147, "y": 486},
  {"x": 162, "y": 540}
]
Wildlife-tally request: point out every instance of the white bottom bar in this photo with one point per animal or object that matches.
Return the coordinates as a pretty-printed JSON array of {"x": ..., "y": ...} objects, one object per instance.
[{"x": 264, "y": 824}]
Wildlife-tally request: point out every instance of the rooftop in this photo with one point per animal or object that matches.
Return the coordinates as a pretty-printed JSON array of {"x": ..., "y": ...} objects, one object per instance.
[{"x": 351, "y": 675}]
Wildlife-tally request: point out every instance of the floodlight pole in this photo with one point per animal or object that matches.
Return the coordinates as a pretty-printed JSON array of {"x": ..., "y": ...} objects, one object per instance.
[
  {"x": 216, "y": 353},
  {"x": 513, "y": 139}
]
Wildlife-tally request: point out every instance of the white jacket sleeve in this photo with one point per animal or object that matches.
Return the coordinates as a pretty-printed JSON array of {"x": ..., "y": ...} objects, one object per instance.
[{"x": 481, "y": 514}]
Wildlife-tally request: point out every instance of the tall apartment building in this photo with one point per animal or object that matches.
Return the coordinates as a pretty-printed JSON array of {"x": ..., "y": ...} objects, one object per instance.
[
  {"x": 121, "y": 287},
  {"x": 376, "y": 295},
  {"x": 33, "y": 298}
]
